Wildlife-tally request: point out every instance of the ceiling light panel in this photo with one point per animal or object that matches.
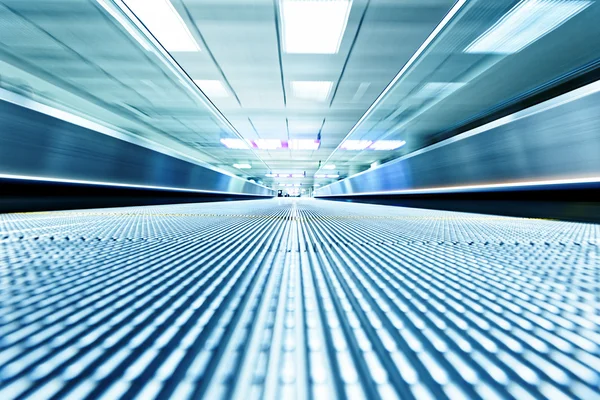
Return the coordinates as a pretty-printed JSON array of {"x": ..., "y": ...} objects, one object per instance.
[
  {"x": 355, "y": 144},
  {"x": 313, "y": 26},
  {"x": 329, "y": 166},
  {"x": 165, "y": 23},
  {"x": 238, "y": 144},
  {"x": 528, "y": 21},
  {"x": 242, "y": 166},
  {"x": 304, "y": 144},
  {"x": 387, "y": 144},
  {"x": 267, "y": 144},
  {"x": 212, "y": 88},
  {"x": 311, "y": 90}
]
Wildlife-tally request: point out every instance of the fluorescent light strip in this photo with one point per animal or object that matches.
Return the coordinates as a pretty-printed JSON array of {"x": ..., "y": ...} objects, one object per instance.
[
  {"x": 267, "y": 144},
  {"x": 165, "y": 23},
  {"x": 329, "y": 166},
  {"x": 271, "y": 144},
  {"x": 527, "y": 22},
  {"x": 126, "y": 25},
  {"x": 386, "y": 145},
  {"x": 237, "y": 144},
  {"x": 242, "y": 166},
  {"x": 327, "y": 176},
  {"x": 453, "y": 11},
  {"x": 355, "y": 144},
  {"x": 313, "y": 26},
  {"x": 212, "y": 88},
  {"x": 124, "y": 185},
  {"x": 311, "y": 90},
  {"x": 508, "y": 185},
  {"x": 285, "y": 175},
  {"x": 304, "y": 144}
]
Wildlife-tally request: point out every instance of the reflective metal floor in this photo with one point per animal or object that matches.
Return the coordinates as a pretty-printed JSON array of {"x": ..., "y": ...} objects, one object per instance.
[{"x": 284, "y": 299}]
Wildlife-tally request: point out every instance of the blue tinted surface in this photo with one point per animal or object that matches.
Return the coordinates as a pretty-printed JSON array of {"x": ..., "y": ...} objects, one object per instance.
[{"x": 297, "y": 299}]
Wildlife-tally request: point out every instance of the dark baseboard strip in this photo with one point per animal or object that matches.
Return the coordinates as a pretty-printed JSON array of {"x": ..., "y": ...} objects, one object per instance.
[
  {"x": 580, "y": 205},
  {"x": 27, "y": 196}
]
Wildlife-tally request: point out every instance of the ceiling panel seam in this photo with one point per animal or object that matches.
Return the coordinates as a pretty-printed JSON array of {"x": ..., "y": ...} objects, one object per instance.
[
  {"x": 277, "y": 31},
  {"x": 178, "y": 69},
  {"x": 200, "y": 37},
  {"x": 339, "y": 80},
  {"x": 456, "y": 7}
]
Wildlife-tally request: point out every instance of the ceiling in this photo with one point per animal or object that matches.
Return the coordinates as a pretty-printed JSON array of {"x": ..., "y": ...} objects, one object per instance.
[{"x": 89, "y": 59}]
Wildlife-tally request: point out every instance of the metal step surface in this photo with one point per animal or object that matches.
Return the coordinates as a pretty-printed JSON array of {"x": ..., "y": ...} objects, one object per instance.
[{"x": 297, "y": 299}]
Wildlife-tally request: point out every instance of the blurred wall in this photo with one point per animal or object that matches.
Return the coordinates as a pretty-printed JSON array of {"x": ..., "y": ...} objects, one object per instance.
[
  {"x": 555, "y": 140},
  {"x": 35, "y": 144}
]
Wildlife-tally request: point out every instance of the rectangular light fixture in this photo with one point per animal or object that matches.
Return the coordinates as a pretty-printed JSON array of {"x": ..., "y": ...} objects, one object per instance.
[
  {"x": 327, "y": 176},
  {"x": 238, "y": 144},
  {"x": 387, "y": 144},
  {"x": 242, "y": 166},
  {"x": 355, "y": 144},
  {"x": 304, "y": 144},
  {"x": 297, "y": 184},
  {"x": 525, "y": 23},
  {"x": 313, "y": 26},
  {"x": 311, "y": 90},
  {"x": 298, "y": 175},
  {"x": 267, "y": 144},
  {"x": 329, "y": 166},
  {"x": 212, "y": 88},
  {"x": 165, "y": 23}
]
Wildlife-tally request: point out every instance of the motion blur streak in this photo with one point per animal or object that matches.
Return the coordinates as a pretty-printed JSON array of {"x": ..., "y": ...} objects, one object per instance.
[{"x": 300, "y": 199}]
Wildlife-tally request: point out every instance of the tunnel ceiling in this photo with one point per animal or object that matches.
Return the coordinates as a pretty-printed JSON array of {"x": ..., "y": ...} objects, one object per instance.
[{"x": 95, "y": 58}]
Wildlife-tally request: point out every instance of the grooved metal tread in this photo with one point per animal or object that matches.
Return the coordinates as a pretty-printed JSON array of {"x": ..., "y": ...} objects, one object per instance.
[{"x": 285, "y": 299}]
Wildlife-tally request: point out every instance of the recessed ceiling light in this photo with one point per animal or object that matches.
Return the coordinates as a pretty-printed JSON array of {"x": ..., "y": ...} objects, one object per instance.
[
  {"x": 298, "y": 175},
  {"x": 304, "y": 144},
  {"x": 387, "y": 144},
  {"x": 355, "y": 144},
  {"x": 212, "y": 88},
  {"x": 312, "y": 90},
  {"x": 525, "y": 23},
  {"x": 231, "y": 143},
  {"x": 314, "y": 26},
  {"x": 267, "y": 144},
  {"x": 165, "y": 23},
  {"x": 329, "y": 166},
  {"x": 327, "y": 176},
  {"x": 242, "y": 166}
]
